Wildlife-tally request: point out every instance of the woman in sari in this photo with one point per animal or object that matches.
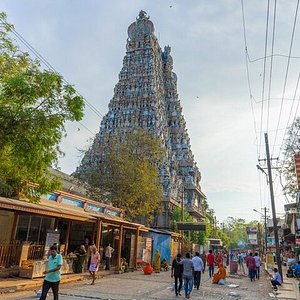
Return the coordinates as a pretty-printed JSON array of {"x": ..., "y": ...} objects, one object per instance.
[
  {"x": 157, "y": 262},
  {"x": 221, "y": 274}
]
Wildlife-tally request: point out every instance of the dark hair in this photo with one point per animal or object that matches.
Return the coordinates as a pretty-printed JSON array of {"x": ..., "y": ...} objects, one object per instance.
[
  {"x": 275, "y": 270},
  {"x": 250, "y": 254},
  {"x": 210, "y": 251},
  {"x": 53, "y": 247},
  {"x": 188, "y": 255},
  {"x": 197, "y": 253},
  {"x": 255, "y": 254},
  {"x": 178, "y": 255}
]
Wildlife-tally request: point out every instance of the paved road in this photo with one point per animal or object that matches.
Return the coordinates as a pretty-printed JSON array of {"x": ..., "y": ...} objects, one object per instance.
[{"x": 157, "y": 286}]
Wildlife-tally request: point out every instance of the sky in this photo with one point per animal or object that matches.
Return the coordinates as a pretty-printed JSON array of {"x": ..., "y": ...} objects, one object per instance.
[{"x": 85, "y": 42}]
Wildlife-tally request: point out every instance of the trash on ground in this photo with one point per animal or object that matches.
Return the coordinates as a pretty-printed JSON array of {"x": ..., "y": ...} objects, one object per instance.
[{"x": 233, "y": 286}]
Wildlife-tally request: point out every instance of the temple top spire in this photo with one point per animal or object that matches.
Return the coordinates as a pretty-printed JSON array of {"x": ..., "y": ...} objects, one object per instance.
[
  {"x": 141, "y": 27},
  {"x": 142, "y": 16}
]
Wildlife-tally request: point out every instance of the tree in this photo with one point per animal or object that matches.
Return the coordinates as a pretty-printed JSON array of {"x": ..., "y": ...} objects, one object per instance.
[
  {"x": 128, "y": 175},
  {"x": 34, "y": 105},
  {"x": 288, "y": 172}
]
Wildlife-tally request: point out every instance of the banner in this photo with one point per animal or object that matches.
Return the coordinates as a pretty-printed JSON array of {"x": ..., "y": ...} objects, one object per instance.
[
  {"x": 297, "y": 168},
  {"x": 270, "y": 260}
]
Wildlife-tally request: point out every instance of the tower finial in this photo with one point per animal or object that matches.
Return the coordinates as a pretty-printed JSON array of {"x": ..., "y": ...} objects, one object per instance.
[{"x": 142, "y": 16}]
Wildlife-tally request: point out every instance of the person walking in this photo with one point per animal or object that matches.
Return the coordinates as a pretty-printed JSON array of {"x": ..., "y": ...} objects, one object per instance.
[
  {"x": 198, "y": 267},
  {"x": 203, "y": 257},
  {"x": 53, "y": 274},
  {"x": 211, "y": 263},
  {"x": 176, "y": 272},
  {"x": 240, "y": 260},
  {"x": 250, "y": 262},
  {"x": 81, "y": 255},
  {"x": 94, "y": 264},
  {"x": 188, "y": 272},
  {"x": 257, "y": 264},
  {"x": 108, "y": 254}
]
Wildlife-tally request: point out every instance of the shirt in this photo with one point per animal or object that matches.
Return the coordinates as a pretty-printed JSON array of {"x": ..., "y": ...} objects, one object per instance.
[
  {"x": 95, "y": 258},
  {"x": 177, "y": 267},
  {"x": 188, "y": 266},
  {"x": 210, "y": 259},
  {"x": 250, "y": 262},
  {"x": 277, "y": 277},
  {"x": 198, "y": 263},
  {"x": 54, "y": 262},
  {"x": 108, "y": 251},
  {"x": 257, "y": 261}
]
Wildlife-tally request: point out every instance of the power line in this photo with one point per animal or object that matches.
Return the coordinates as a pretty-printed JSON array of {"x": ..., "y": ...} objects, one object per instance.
[
  {"x": 271, "y": 64},
  {"x": 38, "y": 55},
  {"x": 248, "y": 78},
  {"x": 264, "y": 76},
  {"x": 286, "y": 73}
]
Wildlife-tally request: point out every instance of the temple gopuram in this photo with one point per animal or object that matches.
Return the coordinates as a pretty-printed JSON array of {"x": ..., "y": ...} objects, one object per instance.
[{"x": 146, "y": 97}]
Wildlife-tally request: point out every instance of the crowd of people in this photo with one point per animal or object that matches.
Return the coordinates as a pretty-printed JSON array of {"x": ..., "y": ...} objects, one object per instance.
[{"x": 187, "y": 271}]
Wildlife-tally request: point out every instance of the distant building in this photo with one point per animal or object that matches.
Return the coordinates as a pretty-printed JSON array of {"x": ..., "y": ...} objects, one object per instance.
[{"x": 146, "y": 97}]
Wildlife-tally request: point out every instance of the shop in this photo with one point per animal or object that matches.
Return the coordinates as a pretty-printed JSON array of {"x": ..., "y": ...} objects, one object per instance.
[{"x": 69, "y": 221}]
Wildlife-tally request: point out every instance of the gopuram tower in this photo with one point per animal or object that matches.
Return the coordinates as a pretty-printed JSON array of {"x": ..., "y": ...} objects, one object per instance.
[{"x": 146, "y": 97}]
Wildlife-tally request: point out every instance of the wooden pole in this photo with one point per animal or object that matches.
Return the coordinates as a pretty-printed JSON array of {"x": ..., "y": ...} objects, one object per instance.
[
  {"x": 67, "y": 237},
  {"x": 136, "y": 248},
  {"x": 120, "y": 248},
  {"x": 98, "y": 233},
  {"x": 14, "y": 228}
]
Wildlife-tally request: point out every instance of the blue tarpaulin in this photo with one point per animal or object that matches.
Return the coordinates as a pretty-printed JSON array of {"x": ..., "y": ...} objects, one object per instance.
[{"x": 162, "y": 243}]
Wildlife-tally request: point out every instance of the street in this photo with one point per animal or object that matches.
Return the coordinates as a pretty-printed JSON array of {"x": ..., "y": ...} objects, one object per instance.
[{"x": 156, "y": 286}]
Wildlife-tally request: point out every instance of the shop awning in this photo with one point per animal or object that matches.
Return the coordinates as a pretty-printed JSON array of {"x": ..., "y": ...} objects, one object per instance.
[
  {"x": 45, "y": 209},
  {"x": 65, "y": 211}
]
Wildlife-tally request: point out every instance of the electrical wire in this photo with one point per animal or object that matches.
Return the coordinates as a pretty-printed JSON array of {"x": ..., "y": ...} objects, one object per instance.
[
  {"x": 271, "y": 64},
  {"x": 264, "y": 75},
  {"x": 48, "y": 65},
  {"x": 248, "y": 79},
  {"x": 286, "y": 74}
]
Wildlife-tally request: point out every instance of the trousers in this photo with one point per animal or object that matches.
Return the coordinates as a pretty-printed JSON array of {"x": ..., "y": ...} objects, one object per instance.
[{"x": 46, "y": 287}]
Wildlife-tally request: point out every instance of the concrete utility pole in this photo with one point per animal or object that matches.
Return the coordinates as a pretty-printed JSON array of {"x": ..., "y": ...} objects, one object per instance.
[{"x": 273, "y": 205}]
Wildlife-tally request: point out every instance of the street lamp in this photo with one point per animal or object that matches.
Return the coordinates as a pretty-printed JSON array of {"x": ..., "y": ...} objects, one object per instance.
[{"x": 266, "y": 235}]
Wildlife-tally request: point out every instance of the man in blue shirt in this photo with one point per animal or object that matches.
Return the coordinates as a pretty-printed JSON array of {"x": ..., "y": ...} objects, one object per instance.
[
  {"x": 53, "y": 276},
  {"x": 276, "y": 280}
]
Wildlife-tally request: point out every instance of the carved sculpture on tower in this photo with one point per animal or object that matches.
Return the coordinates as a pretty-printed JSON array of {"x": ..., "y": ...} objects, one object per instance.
[{"x": 146, "y": 97}]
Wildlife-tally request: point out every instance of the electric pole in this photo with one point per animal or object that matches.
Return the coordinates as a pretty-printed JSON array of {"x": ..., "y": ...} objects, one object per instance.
[{"x": 273, "y": 205}]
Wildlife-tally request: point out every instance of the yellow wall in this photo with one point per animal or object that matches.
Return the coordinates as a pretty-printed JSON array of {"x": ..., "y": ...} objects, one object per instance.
[{"x": 6, "y": 224}]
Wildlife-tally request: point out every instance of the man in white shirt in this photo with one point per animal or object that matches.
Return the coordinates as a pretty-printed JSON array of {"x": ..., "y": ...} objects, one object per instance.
[
  {"x": 108, "y": 254},
  {"x": 198, "y": 267}
]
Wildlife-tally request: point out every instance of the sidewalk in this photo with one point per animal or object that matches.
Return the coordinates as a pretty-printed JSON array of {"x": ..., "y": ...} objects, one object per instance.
[
  {"x": 289, "y": 288},
  {"x": 11, "y": 285}
]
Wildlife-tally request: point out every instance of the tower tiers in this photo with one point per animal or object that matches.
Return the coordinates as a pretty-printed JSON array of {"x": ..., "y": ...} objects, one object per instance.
[{"x": 146, "y": 97}]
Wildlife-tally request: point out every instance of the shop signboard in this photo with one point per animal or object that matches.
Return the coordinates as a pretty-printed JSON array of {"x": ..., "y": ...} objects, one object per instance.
[
  {"x": 52, "y": 237},
  {"x": 297, "y": 168},
  {"x": 191, "y": 226},
  {"x": 251, "y": 230}
]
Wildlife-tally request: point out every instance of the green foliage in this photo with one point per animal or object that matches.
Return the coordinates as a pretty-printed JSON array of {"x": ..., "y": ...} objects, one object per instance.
[
  {"x": 129, "y": 177},
  {"x": 288, "y": 172},
  {"x": 34, "y": 105}
]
